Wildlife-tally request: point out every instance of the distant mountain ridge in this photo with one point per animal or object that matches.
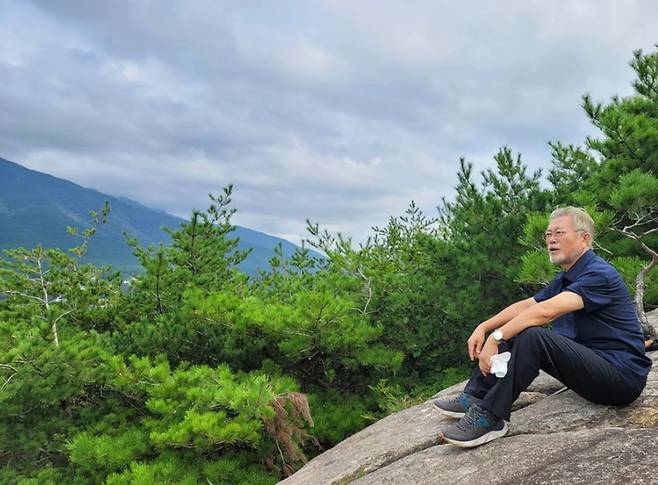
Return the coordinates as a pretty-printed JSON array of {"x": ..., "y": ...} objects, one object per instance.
[{"x": 36, "y": 208}]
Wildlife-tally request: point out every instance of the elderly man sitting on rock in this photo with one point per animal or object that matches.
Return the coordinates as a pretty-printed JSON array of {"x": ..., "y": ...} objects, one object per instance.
[{"x": 595, "y": 346}]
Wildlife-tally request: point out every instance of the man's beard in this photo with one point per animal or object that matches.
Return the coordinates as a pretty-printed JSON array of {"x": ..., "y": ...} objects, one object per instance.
[{"x": 565, "y": 258}]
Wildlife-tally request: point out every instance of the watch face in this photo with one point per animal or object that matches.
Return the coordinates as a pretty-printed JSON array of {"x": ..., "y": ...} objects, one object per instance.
[{"x": 497, "y": 335}]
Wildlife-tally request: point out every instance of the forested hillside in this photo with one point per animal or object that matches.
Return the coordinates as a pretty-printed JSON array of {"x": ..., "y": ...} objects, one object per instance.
[
  {"x": 36, "y": 208},
  {"x": 196, "y": 373}
]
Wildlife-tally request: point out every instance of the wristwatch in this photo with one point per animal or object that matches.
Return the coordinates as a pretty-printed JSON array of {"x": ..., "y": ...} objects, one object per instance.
[{"x": 497, "y": 335}]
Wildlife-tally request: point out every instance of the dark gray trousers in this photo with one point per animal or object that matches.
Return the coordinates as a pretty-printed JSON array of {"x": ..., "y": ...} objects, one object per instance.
[{"x": 576, "y": 366}]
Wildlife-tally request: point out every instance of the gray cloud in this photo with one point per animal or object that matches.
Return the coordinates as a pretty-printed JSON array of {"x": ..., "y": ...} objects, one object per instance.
[{"x": 342, "y": 112}]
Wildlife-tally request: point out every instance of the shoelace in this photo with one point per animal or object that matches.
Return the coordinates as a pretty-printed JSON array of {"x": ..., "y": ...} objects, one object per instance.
[
  {"x": 459, "y": 399},
  {"x": 470, "y": 419},
  {"x": 455, "y": 400}
]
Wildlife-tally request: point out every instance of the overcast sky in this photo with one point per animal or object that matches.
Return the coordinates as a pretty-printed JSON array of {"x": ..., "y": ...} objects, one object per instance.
[{"x": 337, "y": 111}]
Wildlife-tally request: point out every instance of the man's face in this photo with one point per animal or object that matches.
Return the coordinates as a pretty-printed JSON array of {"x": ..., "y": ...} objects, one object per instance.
[{"x": 565, "y": 244}]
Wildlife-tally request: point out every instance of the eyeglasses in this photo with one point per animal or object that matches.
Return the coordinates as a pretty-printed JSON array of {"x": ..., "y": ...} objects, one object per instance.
[{"x": 558, "y": 234}]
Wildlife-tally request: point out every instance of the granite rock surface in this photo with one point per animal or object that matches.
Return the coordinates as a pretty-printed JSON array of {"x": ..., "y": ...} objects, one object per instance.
[{"x": 555, "y": 437}]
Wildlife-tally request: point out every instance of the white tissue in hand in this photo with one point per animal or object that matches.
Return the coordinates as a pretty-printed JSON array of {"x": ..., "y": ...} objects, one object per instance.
[{"x": 499, "y": 364}]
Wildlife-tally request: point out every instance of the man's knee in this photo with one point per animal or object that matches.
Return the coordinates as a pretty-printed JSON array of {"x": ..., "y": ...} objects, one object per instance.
[{"x": 533, "y": 334}]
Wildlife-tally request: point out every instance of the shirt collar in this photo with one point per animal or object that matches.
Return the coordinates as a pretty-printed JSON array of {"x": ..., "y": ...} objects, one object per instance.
[{"x": 579, "y": 266}]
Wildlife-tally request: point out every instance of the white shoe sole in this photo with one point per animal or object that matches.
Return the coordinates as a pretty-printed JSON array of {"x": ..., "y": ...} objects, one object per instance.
[{"x": 490, "y": 436}]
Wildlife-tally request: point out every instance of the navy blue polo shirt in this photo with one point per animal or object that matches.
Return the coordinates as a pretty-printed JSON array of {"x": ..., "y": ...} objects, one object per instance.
[{"x": 608, "y": 323}]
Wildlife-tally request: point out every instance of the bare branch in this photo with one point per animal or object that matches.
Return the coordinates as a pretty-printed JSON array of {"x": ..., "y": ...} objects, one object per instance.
[
  {"x": 647, "y": 249},
  {"x": 7, "y": 366},
  {"x": 62, "y": 315},
  {"x": 24, "y": 295},
  {"x": 369, "y": 288},
  {"x": 638, "y": 222},
  {"x": 598, "y": 246},
  {"x": 640, "y": 279},
  {"x": 7, "y": 381}
]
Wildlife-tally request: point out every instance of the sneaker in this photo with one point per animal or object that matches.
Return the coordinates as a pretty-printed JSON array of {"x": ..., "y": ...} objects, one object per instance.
[
  {"x": 455, "y": 407},
  {"x": 477, "y": 427}
]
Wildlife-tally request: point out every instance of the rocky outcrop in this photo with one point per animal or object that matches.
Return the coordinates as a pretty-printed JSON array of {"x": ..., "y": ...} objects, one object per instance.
[
  {"x": 555, "y": 437},
  {"x": 608, "y": 455}
]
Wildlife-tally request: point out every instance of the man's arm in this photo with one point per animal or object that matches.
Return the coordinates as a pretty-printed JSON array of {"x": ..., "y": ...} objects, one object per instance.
[
  {"x": 535, "y": 315},
  {"x": 476, "y": 340},
  {"x": 543, "y": 313},
  {"x": 504, "y": 316}
]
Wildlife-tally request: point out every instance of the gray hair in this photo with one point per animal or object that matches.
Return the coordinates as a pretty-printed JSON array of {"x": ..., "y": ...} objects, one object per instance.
[{"x": 580, "y": 219}]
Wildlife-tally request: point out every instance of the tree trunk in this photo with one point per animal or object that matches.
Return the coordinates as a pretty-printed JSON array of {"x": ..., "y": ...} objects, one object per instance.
[
  {"x": 56, "y": 337},
  {"x": 639, "y": 297}
]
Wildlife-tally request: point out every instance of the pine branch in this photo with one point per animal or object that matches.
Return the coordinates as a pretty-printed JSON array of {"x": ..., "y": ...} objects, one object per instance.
[{"x": 23, "y": 295}]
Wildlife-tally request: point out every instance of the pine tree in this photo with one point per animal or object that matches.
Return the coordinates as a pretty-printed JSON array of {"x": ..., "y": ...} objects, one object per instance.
[
  {"x": 614, "y": 177},
  {"x": 627, "y": 180}
]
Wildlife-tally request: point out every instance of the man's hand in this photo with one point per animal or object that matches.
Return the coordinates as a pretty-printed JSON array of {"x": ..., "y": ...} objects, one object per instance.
[
  {"x": 489, "y": 349},
  {"x": 475, "y": 342}
]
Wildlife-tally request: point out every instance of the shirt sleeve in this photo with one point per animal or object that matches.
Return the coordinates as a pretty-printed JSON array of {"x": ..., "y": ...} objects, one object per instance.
[
  {"x": 595, "y": 290},
  {"x": 549, "y": 291}
]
